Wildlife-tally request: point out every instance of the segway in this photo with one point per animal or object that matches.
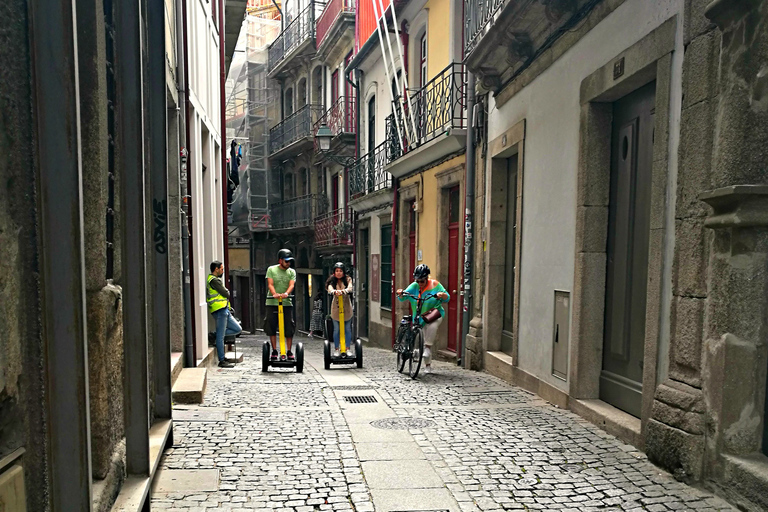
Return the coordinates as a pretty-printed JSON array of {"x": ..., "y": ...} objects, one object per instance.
[
  {"x": 343, "y": 358},
  {"x": 266, "y": 349}
]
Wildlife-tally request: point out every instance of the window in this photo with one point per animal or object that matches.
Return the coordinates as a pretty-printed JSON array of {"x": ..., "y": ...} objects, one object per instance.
[
  {"x": 386, "y": 266},
  {"x": 371, "y": 123},
  {"x": 423, "y": 61}
]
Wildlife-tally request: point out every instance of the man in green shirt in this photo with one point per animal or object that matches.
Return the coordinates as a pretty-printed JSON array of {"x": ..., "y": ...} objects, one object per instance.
[{"x": 281, "y": 279}]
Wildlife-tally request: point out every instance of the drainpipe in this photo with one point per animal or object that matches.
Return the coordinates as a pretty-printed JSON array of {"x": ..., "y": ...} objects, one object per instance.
[
  {"x": 356, "y": 86},
  {"x": 223, "y": 145},
  {"x": 469, "y": 202},
  {"x": 282, "y": 27},
  {"x": 182, "y": 63}
]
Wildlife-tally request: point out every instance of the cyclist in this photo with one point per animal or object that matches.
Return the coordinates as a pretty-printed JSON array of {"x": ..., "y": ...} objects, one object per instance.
[
  {"x": 422, "y": 284},
  {"x": 340, "y": 284},
  {"x": 281, "y": 279}
]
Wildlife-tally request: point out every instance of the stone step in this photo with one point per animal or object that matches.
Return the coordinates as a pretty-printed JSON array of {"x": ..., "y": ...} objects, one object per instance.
[
  {"x": 177, "y": 363},
  {"x": 190, "y": 386},
  {"x": 231, "y": 356}
]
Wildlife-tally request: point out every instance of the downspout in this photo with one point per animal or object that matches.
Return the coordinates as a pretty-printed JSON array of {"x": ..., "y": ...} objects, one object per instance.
[
  {"x": 353, "y": 215},
  {"x": 469, "y": 205},
  {"x": 223, "y": 146},
  {"x": 282, "y": 27},
  {"x": 186, "y": 191}
]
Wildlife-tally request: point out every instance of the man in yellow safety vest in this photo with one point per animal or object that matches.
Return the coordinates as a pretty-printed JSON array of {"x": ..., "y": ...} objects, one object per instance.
[{"x": 217, "y": 297}]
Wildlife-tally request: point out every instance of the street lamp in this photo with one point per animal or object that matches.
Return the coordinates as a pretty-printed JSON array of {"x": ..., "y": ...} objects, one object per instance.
[{"x": 323, "y": 136}]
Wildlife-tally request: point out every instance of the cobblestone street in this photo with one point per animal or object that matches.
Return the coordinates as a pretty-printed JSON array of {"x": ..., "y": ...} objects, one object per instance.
[{"x": 452, "y": 440}]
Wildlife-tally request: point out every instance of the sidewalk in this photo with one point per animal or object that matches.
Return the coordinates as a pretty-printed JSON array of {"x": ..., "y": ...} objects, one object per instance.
[{"x": 454, "y": 440}]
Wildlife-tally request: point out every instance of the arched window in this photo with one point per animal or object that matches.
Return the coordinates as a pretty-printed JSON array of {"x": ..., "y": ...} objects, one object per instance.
[
  {"x": 288, "y": 102},
  {"x": 302, "y": 93}
]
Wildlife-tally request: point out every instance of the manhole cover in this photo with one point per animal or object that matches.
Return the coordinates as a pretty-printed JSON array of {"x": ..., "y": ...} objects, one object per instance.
[
  {"x": 368, "y": 399},
  {"x": 572, "y": 468},
  {"x": 351, "y": 388},
  {"x": 527, "y": 482},
  {"x": 189, "y": 415},
  {"x": 403, "y": 423}
]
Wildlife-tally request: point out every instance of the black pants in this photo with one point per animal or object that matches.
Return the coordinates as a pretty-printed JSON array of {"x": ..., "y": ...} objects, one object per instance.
[{"x": 271, "y": 322}]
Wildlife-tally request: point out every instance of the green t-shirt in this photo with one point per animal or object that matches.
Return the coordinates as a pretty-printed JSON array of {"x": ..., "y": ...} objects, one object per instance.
[{"x": 281, "y": 278}]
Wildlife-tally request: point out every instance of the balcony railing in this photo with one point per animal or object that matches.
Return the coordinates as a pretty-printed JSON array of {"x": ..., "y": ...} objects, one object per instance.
[
  {"x": 340, "y": 118},
  {"x": 437, "y": 107},
  {"x": 333, "y": 10},
  {"x": 297, "y": 126},
  {"x": 479, "y": 15},
  {"x": 301, "y": 28},
  {"x": 298, "y": 212},
  {"x": 334, "y": 228},
  {"x": 367, "y": 175}
]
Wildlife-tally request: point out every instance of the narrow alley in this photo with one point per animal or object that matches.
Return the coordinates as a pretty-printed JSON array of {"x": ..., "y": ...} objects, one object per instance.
[{"x": 373, "y": 439}]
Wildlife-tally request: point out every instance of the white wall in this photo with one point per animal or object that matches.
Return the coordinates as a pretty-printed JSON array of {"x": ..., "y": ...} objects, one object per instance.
[{"x": 550, "y": 106}]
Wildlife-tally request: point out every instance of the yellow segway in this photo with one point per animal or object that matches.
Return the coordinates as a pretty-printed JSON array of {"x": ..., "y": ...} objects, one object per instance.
[
  {"x": 282, "y": 362},
  {"x": 343, "y": 358}
]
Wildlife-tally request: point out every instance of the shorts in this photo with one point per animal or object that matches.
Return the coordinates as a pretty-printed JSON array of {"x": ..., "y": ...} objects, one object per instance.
[{"x": 272, "y": 324}]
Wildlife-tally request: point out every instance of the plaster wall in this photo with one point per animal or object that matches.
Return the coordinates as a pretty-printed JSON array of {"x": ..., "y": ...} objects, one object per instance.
[{"x": 550, "y": 106}]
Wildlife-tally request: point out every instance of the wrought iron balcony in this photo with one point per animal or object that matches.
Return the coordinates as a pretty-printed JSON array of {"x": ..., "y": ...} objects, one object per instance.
[
  {"x": 299, "y": 212},
  {"x": 334, "y": 10},
  {"x": 436, "y": 108},
  {"x": 300, "y": 30},
  {"x": 479, "y": 15},
  {"x": 298, "y": 126},
  {"x": 368, "y": 174},
  {"x": 340, "y": 118},
  {"x": 334, "y": 228}
]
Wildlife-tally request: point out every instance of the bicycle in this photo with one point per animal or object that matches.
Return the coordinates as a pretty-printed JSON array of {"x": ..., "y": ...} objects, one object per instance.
[{"x": 409, "y": 343}]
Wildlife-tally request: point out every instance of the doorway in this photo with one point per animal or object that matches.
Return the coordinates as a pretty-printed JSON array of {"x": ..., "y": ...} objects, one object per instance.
[
  {"x": 411, "y": 237},
  {"x": 244, "y": 301},
  {"x": 627, "y": 250},
  {"x": 454, "y": 209},
  {"x": 362, "y": 310},
  {"x": 510, "y": 255}
]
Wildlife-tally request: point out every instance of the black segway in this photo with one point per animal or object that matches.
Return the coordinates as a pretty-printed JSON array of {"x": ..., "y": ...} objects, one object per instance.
[
  {"x": 266, "y": 349},
  {"x": 343, "y": 358}
]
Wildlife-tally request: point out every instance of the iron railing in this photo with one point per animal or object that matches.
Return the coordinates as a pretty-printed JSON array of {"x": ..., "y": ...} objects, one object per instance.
[
  {"x": 367, "y": 175},
  {"x": 340, "y": 118},
  {"x": 301, "y": 28},
  {"x": 438, "y": 106},
  {"x": 333, "y": 10},
  {"x": 334, "y": 228},
  {"x": 298, "y": 125},
  {"x": 479, "y": 15},
  {"x": 298, "y": 212}
]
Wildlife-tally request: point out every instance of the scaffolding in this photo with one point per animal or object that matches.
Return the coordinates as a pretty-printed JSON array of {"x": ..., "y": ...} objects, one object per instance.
[{"x": 252, "y": 108}]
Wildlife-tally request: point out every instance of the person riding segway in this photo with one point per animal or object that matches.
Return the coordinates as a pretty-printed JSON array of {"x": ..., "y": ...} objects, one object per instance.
[
  {"x": 281, "y": 279},
  {"x": 339, "y": 286}
]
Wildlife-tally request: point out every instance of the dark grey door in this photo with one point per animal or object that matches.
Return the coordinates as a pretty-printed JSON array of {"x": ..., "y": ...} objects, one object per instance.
[
  {"x": 510, "y": 255},
  {"x": 362, "y": 272},
  {"x": 765, "y": 421},
  {"x": 627, "y": 268}
]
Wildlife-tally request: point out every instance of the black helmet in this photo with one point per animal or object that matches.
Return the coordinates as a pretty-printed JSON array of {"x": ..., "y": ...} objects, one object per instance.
[
  {"x": 420, "y": 272},
  {"x": 338, "y": 265},
  {"x": 285, "y": 254}
]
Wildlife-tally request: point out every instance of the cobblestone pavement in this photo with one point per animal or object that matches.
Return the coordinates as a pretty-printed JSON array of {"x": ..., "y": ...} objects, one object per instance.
[{"x": 291, "y": 442}]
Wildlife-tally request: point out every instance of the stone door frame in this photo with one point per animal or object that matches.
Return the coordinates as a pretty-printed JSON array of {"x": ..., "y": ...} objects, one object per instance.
[{"x": 645, "y": 61}]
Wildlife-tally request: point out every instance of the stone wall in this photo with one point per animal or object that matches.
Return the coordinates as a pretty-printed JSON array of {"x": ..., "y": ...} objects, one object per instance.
[{"x": 22, "y": 411}]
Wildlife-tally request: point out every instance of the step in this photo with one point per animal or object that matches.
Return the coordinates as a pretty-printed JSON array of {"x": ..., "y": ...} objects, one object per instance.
[
  {"x": 231, "y": 356},
  {"x": 190, "y": 386},
  {"x": 177, "y": 363}
]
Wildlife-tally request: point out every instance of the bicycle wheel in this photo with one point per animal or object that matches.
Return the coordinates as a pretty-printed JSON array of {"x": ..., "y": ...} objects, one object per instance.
[
  {"x": 401, "y": 347},
  {"x": 414, "y": 362}
]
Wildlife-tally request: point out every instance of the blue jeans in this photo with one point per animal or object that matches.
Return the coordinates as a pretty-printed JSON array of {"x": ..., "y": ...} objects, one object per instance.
[
  {"x": 225, "y": 325},
  {"x": 347, "y": 333}
]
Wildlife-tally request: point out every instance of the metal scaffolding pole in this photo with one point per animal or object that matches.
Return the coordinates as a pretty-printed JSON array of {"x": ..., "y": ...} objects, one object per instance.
[
  {"x": 62, "y": 262},
  {"x": 131, "y": 177}
]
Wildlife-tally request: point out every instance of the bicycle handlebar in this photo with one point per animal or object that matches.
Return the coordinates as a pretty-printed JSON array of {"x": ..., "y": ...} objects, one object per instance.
[{"x": 425, "y": 297}]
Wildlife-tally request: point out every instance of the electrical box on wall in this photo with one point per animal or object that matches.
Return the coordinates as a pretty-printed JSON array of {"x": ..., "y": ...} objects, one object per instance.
[{"x": 561, "y": 334}]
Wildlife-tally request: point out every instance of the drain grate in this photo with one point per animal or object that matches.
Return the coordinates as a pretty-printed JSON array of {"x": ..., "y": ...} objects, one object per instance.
[
  {"x": 352, "y": 388},
  {"x": 367, "y": 399}
]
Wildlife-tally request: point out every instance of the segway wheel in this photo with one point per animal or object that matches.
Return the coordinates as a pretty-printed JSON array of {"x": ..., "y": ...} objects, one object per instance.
[
  {"x": 300, "y": 358},
  {"x": 327, "y": 355},
  {"x": 359, "y": 352},
  {"x": 265, "y": 352}
]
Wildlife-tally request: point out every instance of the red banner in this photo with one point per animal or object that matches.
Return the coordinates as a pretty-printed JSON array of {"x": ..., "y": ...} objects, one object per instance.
[{"x": 375, "y": 277}]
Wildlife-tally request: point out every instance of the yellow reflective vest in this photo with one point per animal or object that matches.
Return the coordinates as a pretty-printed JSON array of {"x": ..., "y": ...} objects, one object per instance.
[{"x": 215, "y": 300}]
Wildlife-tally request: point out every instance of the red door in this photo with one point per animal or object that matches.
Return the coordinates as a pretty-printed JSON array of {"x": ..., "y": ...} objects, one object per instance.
[
  {"x": 334, "y": 86},
  {"x": 454, "y": 204}
]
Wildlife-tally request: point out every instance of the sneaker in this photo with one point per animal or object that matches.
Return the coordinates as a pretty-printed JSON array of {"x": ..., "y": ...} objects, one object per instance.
[
  {"x": 350, "y": 353},
  {"x": 225, "y": 364},
  {"x": 427, "y": 369},
  {"x": 335, "y": 353},
  {"x": 290, "y": 356},
  {"x": 274, "y": 355}
]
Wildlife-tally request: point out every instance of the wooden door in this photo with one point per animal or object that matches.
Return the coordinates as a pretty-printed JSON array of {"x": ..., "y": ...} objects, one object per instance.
[
  {"x": 454, "y": 205},
  {"x": 363, "y": 275},
  {"x": 627, "y": 266},
  {"x": 334, "y": 86},
  {"x": 510, "y": 257}
]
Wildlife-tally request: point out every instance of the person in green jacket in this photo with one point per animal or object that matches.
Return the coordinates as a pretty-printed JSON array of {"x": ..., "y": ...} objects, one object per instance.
[{"x": 422, "y": 284}]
